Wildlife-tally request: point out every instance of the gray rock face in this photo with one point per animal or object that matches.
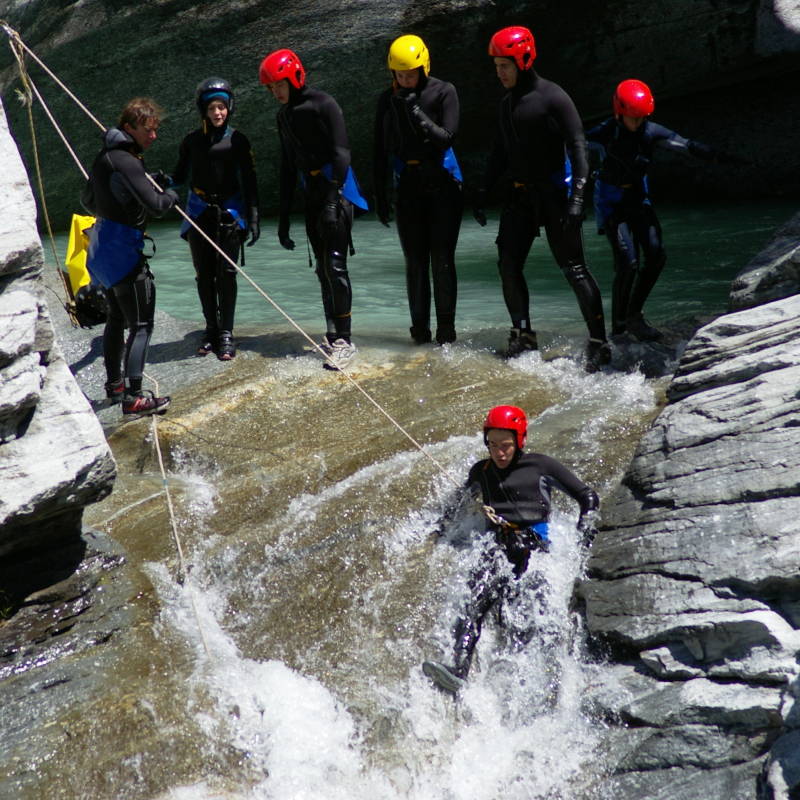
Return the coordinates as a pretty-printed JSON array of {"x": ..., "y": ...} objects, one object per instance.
[
  {"x": 54, "y": 458},
  {"x": 696, "y": 575},
  {"x": 724, "y": 73},
  {"x": 773, "y": 273}
]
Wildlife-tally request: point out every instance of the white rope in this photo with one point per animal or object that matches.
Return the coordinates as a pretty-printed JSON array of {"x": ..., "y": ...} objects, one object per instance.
[{"x": 13, "y": 34}]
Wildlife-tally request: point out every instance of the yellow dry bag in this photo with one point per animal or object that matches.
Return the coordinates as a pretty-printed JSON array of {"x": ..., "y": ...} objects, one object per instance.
[{"x": 77, "y": 250}]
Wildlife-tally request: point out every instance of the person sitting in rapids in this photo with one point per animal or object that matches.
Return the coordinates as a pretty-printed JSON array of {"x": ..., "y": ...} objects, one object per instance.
[
  {"x": 516, "y": 486},
  {"x": 623, "y": 211}
]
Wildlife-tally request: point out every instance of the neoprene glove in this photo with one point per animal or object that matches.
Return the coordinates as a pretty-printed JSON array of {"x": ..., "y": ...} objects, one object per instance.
[
  {"x": 173, "y": 195},
  {"x": 382, "y": 210},
  {"x": 587, "y": 525},
  {"x": 575, "y": 214},
  {"x": 162, "y": 179},
  {"x": 329, "y": 216},
  {"x": 480, "y": 208},
  {"x": 283, "y": 235},
  {"x": 254, "y": 227}
]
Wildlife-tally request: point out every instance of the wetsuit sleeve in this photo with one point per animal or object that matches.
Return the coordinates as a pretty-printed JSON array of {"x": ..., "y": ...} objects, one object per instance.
[
  {"x": 474, "y": 485},
  {"x": 498, "y": 159},
  {"x": 565, "y": 114},
  {"x": 381, "y": 147},
  {"x": 184, "y": 166},
  {"x": 571, "y": 484},
  {"x": 88, "y": 199},
  {"x": 331, "y": 116},
  {"x": 670, "y": 140},
  {"x": 441, "y": 135},
  {"x": 287, "y": 182},
  {"x": 130, "y": 183},
  {"x": 247, "y": 169}
]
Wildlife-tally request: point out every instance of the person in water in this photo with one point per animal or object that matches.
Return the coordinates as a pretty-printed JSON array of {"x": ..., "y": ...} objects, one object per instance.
[
  {"x": 121, "y": 195},
  {"x": 416, "y": 122},
  {"x": 627, "y": 142},
  {"x": 516, "y": 486},
  {"x": 314, "y": 142},
  {"x": 223, "y": 201},
  {"x": 537, "y": 127}
]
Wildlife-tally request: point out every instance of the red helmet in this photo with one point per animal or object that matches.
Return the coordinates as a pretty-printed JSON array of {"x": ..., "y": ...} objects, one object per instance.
[
  {"x": 282, "y": 64},
  {"x": 515, "y": 42},
  {"x": 507, "y": 418},
  {"x": 633, "y": 99}
]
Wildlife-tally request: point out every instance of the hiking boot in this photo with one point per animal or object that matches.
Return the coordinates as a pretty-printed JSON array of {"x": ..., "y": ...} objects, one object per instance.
[
  {"x": 144, "y": 404},
  {"x": 520, "y": 342},
  {"x": 226, "y": 349},
  {"x": 598, "y": 354},
  {"x": 341, "y": 353},
  {"x": 444, "y": 677},
  {"x": 115, "y": 391},
  {"x": 208, "y": 341},
  {"x": 446, "y": 334},
  {"x": 638, "y": 326}
]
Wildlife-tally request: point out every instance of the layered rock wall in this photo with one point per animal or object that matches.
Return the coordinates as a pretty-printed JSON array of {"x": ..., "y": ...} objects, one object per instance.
[
  {"x": 54, "y": 458},
  {"x": 694, "y": 584}
]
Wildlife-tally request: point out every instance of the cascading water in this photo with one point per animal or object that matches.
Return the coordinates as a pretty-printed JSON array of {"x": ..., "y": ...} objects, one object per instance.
[{"x": 327, "y": 562}]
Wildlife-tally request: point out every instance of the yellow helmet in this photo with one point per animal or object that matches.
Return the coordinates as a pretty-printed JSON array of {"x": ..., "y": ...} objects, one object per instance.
[{"x": 409, "y": 52}]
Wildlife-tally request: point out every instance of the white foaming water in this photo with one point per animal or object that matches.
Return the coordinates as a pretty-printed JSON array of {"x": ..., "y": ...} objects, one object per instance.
[{"x": 518, "y": 730}]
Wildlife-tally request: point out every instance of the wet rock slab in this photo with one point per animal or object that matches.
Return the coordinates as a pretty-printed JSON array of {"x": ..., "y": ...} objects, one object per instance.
[{"x": 696, "y": 572}]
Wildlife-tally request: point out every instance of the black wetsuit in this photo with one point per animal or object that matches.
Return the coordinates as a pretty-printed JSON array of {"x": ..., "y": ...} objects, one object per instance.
[
  {"x": 537, "y": 126},
  {"x": 313, "y": 137},
  {"x": 520, "y": 494},
  {"x": 119, "y": 190},
  {"x": 623, "y": 209},
  {"x": 414, "y": 129},
  {"x": 222, "y": 168}
]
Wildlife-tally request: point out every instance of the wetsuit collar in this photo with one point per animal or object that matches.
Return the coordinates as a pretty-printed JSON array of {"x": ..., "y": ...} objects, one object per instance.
[
  {"x": 296, "y": 96},
  {"x": 116, "y": 139}
]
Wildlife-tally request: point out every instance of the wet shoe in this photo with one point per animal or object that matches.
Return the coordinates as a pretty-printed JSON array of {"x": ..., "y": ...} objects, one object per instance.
[
  {"x": 208, "y": 342},
  {"x": 445, "y": 335},
  {"x": 340, "y": 352},
  {"x": 639, "y": 327},
  {"x": 227, "y": 349},
  {"x": 144, "y": 404},
  {"x": 520, "y": 342},
  {"x": 598, "y": 355},
  {"x": 115, "y": 391},
  {"x": 443, "y": 677},
  {"x": 419, "y": 336}
]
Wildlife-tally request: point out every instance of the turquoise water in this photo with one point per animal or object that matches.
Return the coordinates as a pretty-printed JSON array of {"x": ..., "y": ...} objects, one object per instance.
[{"x": 706, "y": 246}]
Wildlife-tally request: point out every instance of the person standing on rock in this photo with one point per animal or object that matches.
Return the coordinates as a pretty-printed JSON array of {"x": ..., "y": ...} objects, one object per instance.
[
  {"x": 314, "y": 143},
  {"x": 120, "y": 194},
  {"x": 623, "y": 212},
  {"x": 223, "y": 201},
  {"x": 540, "y": 143},
  {"x": 516, "y": 488},
  {"x": 416, "y": 122}
]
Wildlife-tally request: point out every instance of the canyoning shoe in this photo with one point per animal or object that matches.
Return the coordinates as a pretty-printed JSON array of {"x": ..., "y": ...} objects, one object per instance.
[
  {"x": 143, "y": 404},
  {"x": 639, "y": 327},
  {"x": 208, "y": 342},
  {"x": 444, "y": 677},
  {"x": 226, "y": 349},
  {"x": 115, "y": 391},
  {"x": 419, "y": 336},
  {"x": 520, "y": 342},
  {"x": 446, "y": 334},
  {"x": 341, "y": 354},
  {"x": 598, "y": 355}
]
